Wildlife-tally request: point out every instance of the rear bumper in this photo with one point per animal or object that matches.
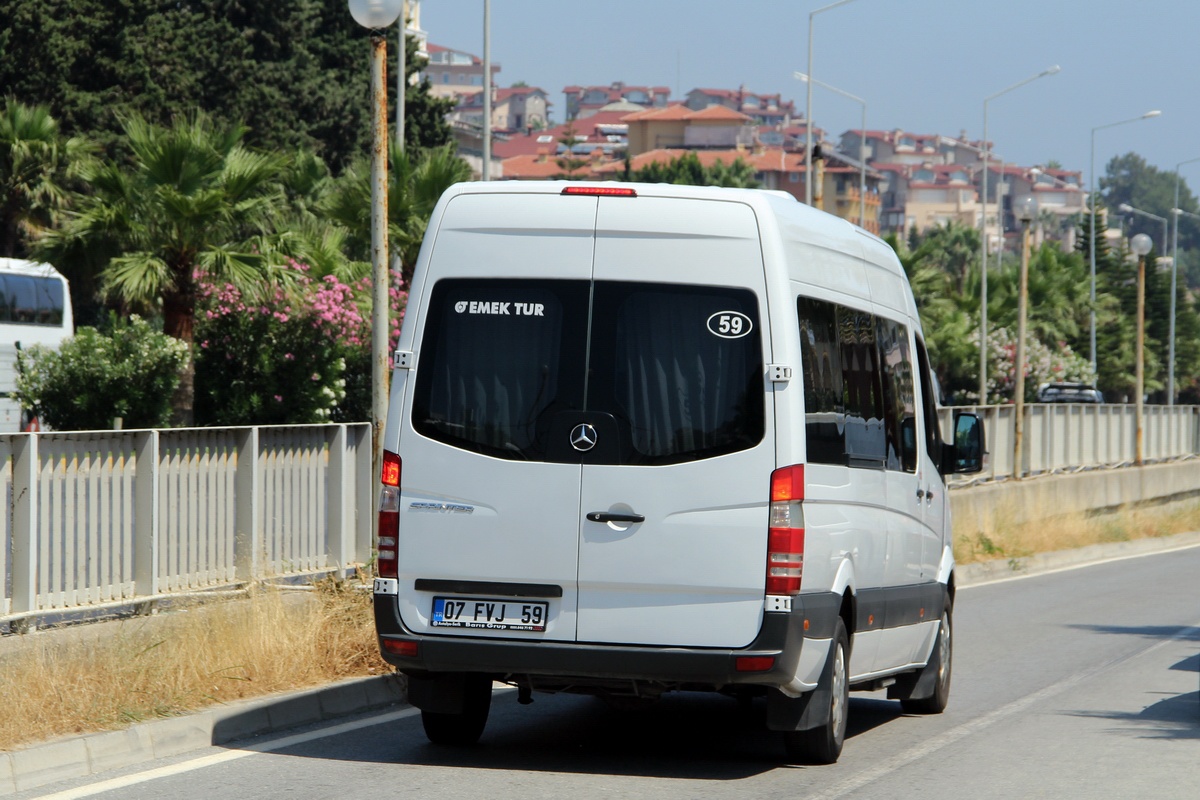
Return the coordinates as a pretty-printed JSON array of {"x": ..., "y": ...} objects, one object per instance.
[{"x": 780, "y": 638}]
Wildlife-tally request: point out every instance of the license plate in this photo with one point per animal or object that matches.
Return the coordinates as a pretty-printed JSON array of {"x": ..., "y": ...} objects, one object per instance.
[{"x": 488, "y": 613}]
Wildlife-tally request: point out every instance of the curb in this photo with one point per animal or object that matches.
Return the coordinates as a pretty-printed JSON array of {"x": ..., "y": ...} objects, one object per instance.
[
  {"x": 93, "y": 753},
  {"x": 90, "y": 754},
  {"x": 1002, "y": 569}
]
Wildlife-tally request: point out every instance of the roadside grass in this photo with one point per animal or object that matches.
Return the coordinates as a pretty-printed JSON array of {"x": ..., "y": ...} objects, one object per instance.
[
  {"x": 999, "y": 537},
  {"x": 107, "y": 676}
]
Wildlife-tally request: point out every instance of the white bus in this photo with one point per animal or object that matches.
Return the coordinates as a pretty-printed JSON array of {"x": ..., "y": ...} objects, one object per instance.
[{"x": 35, "y": 308}]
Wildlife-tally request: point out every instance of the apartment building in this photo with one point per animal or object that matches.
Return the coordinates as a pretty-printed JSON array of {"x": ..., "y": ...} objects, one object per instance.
[
  {"x": 454, "y": 73},
  {"x": 584, "y": 101}
]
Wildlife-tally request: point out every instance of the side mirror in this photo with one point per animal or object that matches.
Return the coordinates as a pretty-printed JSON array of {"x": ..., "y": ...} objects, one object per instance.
[{"x": 965, "y": 455}]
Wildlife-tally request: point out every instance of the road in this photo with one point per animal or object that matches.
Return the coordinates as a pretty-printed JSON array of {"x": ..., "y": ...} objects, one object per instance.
[{"x": 1080, "y": 683}]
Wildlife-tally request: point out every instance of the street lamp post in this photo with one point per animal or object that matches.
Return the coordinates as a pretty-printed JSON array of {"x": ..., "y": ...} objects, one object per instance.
[
  {"x": 862, "y": 143},
  {"x": 1026, "y": 211},
  {"x": 1092, "y": 209},
  {"x": 808, "y": 125},
  {"x": 1140, "y": 245},
  {"x": 376, "y": 15},
  {"x": 1175, "y": 212},
  {"x": 983, "y": 231},
  {"x": 1125, "y": 208},
  {"x": 487, "y": 90}
]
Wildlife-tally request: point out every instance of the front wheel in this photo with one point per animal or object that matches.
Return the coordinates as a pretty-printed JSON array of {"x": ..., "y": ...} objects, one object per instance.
[
  {"x": 823, "y": 744},
  {"x": 936, "y": 672},
  {"x": 466, "y": 726}
]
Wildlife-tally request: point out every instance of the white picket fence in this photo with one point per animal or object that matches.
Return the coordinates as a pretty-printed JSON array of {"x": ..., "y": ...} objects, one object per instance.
[
  {"x": 110, "y": 519},
  {"x": 104, "y": 519},
  {"x": 1064, "y": 437}
]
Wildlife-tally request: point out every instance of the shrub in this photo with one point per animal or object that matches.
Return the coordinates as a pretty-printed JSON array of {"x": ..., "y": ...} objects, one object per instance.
[
  {"x": 93, "y": 378},
  {"x": 302, "y": 357},
  {"x": 266, "y": 365}
]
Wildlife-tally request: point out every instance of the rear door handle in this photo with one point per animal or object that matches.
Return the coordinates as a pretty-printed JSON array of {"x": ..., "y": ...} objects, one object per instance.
[{"x": 605, "y": 516}]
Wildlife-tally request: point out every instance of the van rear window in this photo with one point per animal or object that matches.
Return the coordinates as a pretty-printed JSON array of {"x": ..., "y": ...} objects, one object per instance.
[{"x": 506, "y": 367}]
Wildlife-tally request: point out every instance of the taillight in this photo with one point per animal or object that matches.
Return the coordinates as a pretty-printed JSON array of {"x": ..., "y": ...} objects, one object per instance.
[
  {"x": 390, "y": 474},
  {"x": 389, "y": 517},
  {"x": 600, "y": 191},
  {"x": 785, "y": 539}
]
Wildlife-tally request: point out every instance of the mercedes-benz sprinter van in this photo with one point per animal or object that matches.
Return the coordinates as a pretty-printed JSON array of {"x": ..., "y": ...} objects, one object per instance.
[{"x": 646, "y": 438}]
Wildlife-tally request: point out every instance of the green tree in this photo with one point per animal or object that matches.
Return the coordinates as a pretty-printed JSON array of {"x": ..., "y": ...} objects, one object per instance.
[
  {"x": 93, "y": 378},
  {"x": 688, "y": 171},
  {"x": 416, "y": 180},
  {"x": 299, "y": 70},
  {"x": 573, "y": 168},
  {"x": 36, "y": 166},
  {"x": 192, "y": 199}
]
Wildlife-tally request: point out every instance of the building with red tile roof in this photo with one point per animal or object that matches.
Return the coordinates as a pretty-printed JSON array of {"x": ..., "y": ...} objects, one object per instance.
[{"x": 584, "y": 101}]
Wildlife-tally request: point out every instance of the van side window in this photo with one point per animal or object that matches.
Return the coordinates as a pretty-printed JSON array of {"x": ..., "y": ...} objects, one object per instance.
[
  {"x": 929, "y": 400},
  {"x": 821, "y": 362},
  {"x": 862, "y": 376},
  {"x": 900, "y": 415},
  {"x": 860, "y": 406}
]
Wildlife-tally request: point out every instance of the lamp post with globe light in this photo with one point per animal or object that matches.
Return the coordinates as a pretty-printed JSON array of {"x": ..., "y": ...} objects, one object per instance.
[
  {"x": 375, "y": 15},
  {"x": 1140, "y": 245},
  {"x": 1026, "y": 211}
]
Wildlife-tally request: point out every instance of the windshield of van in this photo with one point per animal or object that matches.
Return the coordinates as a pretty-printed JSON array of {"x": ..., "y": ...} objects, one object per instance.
[{"x": 676, "y": 369}]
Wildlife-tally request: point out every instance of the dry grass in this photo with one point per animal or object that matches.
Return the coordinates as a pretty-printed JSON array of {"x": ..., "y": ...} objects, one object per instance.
[
  {"x": 108, "y": 676},
  {"x": 999, "y": 537}
]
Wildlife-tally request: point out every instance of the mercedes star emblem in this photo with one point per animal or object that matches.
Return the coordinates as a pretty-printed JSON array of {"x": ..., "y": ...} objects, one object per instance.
[{"x": 583, "y": 437}]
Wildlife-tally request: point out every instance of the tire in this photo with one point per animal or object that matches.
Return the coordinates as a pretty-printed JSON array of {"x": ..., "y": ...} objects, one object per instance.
[
  {"x": 823, "y": 744},
  {"x": 464, "y": 727},
  {"x": 937, "y": 671}
]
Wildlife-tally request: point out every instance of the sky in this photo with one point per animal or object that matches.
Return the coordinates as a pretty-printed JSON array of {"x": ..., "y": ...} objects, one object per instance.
[{"x": 924, "y": 66}]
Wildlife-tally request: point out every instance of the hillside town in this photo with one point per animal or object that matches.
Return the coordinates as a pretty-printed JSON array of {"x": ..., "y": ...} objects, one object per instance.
[{"x": 886, "y": 180}]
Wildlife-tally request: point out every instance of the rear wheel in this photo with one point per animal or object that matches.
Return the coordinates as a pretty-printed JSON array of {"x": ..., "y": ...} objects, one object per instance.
[
  {"x": 937, "y": 672},
  {"x": 466, "y": 726},
  {"x": 823, "y": 744}
]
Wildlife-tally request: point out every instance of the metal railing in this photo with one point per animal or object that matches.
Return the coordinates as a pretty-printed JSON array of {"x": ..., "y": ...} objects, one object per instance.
[
  {"x": 116, "y": 518},
  {"x": 1066, "y": 437},
  {"x": 111, "y": 518}
]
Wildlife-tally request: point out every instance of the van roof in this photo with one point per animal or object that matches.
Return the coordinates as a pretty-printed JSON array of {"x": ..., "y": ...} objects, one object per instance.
[{"x": 830, "y": 230}]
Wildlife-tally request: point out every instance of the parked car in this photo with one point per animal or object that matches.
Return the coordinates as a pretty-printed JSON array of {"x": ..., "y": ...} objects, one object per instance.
[{"x": 1069, "y": 393}]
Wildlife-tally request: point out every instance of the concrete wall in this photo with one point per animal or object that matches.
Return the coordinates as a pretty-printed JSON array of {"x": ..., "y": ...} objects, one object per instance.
[{"x": 1092, "y": 491}]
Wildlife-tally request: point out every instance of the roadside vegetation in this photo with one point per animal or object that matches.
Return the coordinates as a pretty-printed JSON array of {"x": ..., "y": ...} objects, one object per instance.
[
  {"x": 110, "y": 675},
  {"x": 1000, "y": 538}
]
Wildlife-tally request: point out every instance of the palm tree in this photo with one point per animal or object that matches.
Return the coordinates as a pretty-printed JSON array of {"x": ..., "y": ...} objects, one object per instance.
[
  {"x": 191, "y": 199},
  {"x": 416, "y": 180},
  {"x": 35, "y": 164}
]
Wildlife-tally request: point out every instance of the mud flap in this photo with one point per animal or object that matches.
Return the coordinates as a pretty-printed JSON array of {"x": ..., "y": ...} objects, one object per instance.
[
  {"x": 441, "y": 693},
  {"x": 809, "y": 710}
]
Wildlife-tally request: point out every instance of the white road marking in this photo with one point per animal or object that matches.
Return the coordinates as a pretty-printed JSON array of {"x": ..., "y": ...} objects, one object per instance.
[
  {"x": 987, "y": 720},
  {"x": 229, "y": 755}
]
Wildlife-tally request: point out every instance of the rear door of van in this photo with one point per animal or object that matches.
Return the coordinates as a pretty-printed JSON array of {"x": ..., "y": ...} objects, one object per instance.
[
  {"x": 679, "y": 352},
  {"x": 588, "y": 434}
]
